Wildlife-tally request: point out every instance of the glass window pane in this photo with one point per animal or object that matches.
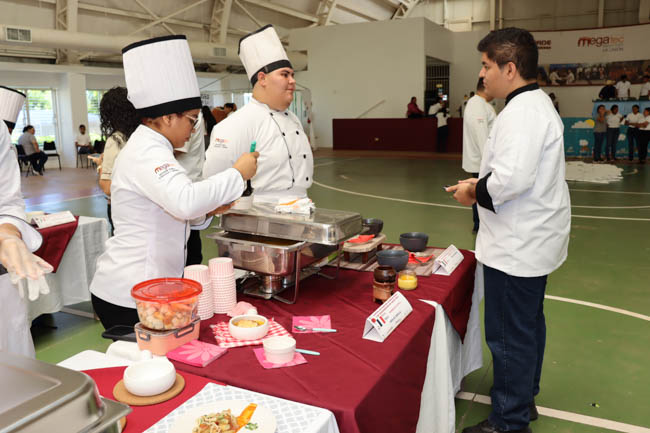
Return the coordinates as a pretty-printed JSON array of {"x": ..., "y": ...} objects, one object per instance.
[{"x": 93, "y": 98}]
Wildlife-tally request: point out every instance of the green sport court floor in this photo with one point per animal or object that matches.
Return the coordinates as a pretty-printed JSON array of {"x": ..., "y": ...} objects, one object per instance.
[{"x": 596, "y": 374}]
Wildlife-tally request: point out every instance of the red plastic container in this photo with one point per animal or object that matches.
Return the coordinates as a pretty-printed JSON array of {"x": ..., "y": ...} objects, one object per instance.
[{"x": 167, "y": 303}]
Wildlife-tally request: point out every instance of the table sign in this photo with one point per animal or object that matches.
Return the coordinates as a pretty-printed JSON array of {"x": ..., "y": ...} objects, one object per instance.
[
  {"x": 447, "y": 261},
  {"x": 386, "y": 318},
  {"x": 53, "y": 219}
]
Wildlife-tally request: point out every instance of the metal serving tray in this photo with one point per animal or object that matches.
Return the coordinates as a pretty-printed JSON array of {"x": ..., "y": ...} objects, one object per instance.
[
  {"x": 323, "y": 226},
  {"x": 41, "y": 397}
]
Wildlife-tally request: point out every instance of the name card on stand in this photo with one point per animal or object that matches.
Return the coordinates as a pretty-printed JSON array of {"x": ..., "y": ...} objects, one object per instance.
[
  {"x": 386, "y": 318},
  {"x": 447, "y": 261},
  {"x": 53, "y": 219}
]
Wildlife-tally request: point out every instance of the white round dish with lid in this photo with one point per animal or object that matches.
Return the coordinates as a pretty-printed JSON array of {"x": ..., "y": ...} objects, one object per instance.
[
  {"x": 248, "y": 332},
  {"x": 279, "y": 350},
  {"x": 149, "y": 377}
]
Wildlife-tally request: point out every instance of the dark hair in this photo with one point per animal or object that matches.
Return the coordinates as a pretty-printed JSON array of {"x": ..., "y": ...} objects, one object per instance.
[
  {"x": 116, "y": 113},
  {"x": 82, "y": 126},
  {"x": 27, "y": 128},
  {"x": 229, "y": 105},
  {"x": 624, "y": 77},
  {"x": 208, "y": 119},
  {"x": 412, "y": 98},
  {"x": 551, "y": 95},
  {"x": 636, "y": 105},
  {"x": 598, "y": 108},
  {"x": 512, "y": 45},
  {"x": 614, "y": 106}
]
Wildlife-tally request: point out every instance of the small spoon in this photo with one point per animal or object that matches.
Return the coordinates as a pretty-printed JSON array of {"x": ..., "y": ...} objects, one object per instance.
[{"x": 303, "y": 328}]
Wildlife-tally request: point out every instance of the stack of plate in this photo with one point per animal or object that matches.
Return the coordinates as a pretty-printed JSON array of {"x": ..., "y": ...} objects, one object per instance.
[
  {"x": 201, "y": 273},
  {"x": 224, "y": 289}
]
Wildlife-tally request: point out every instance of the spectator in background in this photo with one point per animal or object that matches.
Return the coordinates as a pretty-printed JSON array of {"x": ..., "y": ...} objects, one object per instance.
[
  {"x": 118, "y": 119},
  {"x": 30, "y": 145},
  {"x": 645, "y": 89},
  {"x": 554, "y": 77},
  {"x": 443, "y": 130},
  {"x": 607, "y": 92},
  {"x": 219, "y": 114},
  {"x": 644, "y": 135},
  {"x": 210, "y": 121},
  {"x": 477, "y": 122},
  {"x": 82, "y": 141},
  {"x": 570, "y": 77},
  {"x": 556, "y": 103},
  {"x": 413, "y": 111},
  {"x": 600, "y": 132},
  {"x": 229, "y": 108},
  {"x": 632, "y": 121},
  {"x": 435, "y": 107},
  {"x": 623, "y": 87},
  {"x": 613, "y": 119}
]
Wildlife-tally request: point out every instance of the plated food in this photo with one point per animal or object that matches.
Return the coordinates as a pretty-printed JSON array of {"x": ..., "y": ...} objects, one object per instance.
[
  {"x": 167, "y": 303},
  {"x": 173, "y": 315},
  {"x": 221, "y": 417},
  {"x": 248, "y": 323},
  {"x": 248, "y": 327},
  {"x": 219, "y": 422}
]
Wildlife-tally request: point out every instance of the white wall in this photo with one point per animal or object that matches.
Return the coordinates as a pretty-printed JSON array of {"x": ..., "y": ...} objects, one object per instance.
[{"x": 355, "y": 66}]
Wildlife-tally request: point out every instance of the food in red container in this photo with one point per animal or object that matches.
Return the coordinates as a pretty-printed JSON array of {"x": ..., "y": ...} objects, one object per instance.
[{"x": 167, "y": 303}]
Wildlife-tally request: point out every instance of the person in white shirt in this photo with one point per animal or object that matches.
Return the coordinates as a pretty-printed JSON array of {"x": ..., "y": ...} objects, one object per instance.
[
  {"x": 82, "y": 141},
  {"x": 554, "y": 77},
  {"x": 153, "y": 200},
  {"x": 570, "y": 77},
  {"x": 613, "y": 119},
  {"x": 443, "y": 129},
  {"x": 623, "y": 88},
  {"x": 434, "y": 108},
  {"x": 525, "y": 213},
  {"x": 19, "y": 268},
  {"x": 644, "y": 135},
  {"x": 645, "y": 89},
  {"x": 632, "y": 120},
  {"x": 286, "y": 163},
  {"x": 477, "y": 122}
]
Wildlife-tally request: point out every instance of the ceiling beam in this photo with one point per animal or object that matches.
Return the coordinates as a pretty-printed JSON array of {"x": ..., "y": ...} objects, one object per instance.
[
  {"x": 164, "y": 19},
  {"x": 283, "y": 9},
  {"x": 225, "y": 18},
  {"x": 154, "y": 16},
  {"x": 405, "y": 8},
  {"x": 214, "y": 21},
  {"x": 257, "y": 22},
  {"x": 356, "y": 13},
  {"x": 325, "y": 10}
]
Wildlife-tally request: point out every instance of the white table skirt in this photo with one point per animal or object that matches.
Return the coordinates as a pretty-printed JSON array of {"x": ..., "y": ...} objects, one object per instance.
[
  {"x": 70, "y": 284},
  {"x": 449, "y": 361}
]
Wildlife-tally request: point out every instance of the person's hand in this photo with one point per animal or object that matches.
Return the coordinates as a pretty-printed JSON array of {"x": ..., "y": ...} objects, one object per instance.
[
  {"x": 471, "y": 180},
  {"x": 26, "y": 270},
  {"x": 464, "y": 192},
  {"x": 221, "y": 209},
  {"x": 247, "y": 165}
]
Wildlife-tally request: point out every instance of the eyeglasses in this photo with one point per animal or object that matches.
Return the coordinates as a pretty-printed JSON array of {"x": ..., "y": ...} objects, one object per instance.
[{"x": 194, "y": 120}]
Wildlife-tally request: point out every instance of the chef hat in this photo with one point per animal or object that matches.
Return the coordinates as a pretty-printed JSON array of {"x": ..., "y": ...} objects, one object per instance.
[
  {"x": 160, "y": 76},
  {"x": 11, "y": 102},
  {"x": 262, "y": 51}
]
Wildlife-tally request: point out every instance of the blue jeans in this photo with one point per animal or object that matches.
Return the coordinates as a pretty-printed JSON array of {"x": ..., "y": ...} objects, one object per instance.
[
  {"x": 599, "y": 137},
  {"x": 515, "y": 331}
]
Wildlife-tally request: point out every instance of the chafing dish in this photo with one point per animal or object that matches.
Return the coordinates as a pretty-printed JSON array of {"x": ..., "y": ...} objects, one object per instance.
[
  {"x": 282, "y": 249},
  {"x": 42, "y": 397}
]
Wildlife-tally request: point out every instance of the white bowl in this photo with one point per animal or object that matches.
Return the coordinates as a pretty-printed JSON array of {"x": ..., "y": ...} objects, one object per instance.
[
  {"x": 248, "y": 333},
  {"x": 243, "y": 203},
  {"x": 279, "y": 350},
  {"x": 150, "y": 377}
]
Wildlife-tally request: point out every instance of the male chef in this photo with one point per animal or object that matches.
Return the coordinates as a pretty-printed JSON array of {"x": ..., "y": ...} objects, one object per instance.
[
  {"x": 19, "y": 268},
  {"x": 525, "y": 221},
  {"x": 285, "y": 166}
]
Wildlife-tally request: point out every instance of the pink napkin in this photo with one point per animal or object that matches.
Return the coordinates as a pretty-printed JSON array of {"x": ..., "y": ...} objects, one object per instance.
[
  {"x": 297, "y": 360},
  {"x": 224, "y": 339},
  {"x": 310, "y": 322},
  {"x": 196, "y": 353}
]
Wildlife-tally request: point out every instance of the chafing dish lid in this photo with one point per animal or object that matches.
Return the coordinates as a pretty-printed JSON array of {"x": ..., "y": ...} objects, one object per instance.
[
  {"x": 323, "y": 226},
  {"x": 38, "y": 389}
]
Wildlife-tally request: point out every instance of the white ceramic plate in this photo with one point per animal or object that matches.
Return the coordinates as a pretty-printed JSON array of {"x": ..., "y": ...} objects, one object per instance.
[{"x": 262, "y": 416}]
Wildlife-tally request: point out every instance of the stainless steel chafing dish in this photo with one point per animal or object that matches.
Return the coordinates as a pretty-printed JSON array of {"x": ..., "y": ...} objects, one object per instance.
[
  {"x": 282, "y": 249},
  {"x": 41, "y": 397}
]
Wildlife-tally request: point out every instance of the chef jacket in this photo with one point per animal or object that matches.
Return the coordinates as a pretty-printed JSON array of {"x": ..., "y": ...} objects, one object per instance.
[
  {"x": 285, "y": 167},
  {"x": 477, "y": 122},
  {"x": 523, "y": 198},
  {"x": 14, "y": 325},
  {"x": 634, "y": 118},
  {"x": 152, "y": 200}
]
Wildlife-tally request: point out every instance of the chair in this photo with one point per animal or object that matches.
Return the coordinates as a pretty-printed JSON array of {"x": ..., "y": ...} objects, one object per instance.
[
  {"x": 24, "y": 161},
  {"x": 49, "y": 148},
  {"x": 80, "y": 156}
]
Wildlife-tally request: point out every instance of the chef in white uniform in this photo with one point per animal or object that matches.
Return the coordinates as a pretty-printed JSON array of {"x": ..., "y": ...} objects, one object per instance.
[
  {"x": 152, "y": 196},
  {"x": 19, "y": 268},
  {"x": 477, "y": 122},
  {"x": 286, "y": 164},
  {"x": 525, "y": 214}
]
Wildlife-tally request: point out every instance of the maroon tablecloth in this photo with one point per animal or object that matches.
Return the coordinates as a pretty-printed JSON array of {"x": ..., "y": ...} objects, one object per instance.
[
  {"x": 369, "y": 386},
  {"x": 144, "y": 417},
  {"x": 55, "y": 241}
]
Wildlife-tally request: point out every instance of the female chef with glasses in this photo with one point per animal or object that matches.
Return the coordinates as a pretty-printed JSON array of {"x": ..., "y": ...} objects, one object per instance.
[{"x": 153, "y": 199}]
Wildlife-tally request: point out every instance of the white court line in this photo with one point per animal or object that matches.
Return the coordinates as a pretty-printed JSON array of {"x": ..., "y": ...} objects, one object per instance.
[
  {"x": 47, "y": 203},
  {"x": 610, "y": 207},
  {"x": 424, "y": 203},
  {"x": 567, "y": 416},
  {"x": 610, "y": 192},
  {"x": 599, "y": 306}
]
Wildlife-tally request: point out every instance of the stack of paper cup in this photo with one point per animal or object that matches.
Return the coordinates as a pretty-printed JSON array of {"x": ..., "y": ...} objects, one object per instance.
[
  {"x": 201, "y": 273},
  {"x": 224, "y": 289}
]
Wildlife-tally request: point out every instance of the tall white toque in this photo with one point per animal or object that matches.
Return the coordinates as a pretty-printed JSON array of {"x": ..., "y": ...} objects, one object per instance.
[
  {"x": 11, "y": 102},
  {"x": 262, "y": 51}
]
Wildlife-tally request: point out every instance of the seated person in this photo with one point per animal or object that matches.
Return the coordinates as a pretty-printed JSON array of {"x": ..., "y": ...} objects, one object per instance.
[
  {"x": 34, "y": 153},
  {"x": 83, "y": 141},
  {"x": 413, "y": 111}
]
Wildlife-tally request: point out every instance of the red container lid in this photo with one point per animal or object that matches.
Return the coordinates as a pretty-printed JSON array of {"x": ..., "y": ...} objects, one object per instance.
[{"x": 164, "y": 290}]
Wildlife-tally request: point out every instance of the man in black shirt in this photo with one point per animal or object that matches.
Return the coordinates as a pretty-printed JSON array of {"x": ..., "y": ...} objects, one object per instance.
[{"x": 607, "y": 92}]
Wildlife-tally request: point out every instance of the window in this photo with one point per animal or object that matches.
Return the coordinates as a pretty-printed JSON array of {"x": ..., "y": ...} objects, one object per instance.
[
  {"x": 93, "y": 98},
  {"x": 40, "y": 112}
]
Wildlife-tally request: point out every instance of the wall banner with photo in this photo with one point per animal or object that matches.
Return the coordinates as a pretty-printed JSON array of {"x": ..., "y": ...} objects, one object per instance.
[{"x": 592, "y": 74}]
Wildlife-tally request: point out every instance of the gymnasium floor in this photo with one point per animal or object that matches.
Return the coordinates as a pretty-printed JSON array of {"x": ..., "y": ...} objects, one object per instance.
[{"x": 596, "y": 376}]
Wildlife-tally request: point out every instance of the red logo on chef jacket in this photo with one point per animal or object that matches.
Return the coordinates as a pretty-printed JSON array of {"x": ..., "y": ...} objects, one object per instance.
[{"x": 162, "y": 167}]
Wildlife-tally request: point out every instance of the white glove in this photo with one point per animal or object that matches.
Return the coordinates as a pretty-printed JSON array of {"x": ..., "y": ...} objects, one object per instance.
[{"x": 26, "y": 270}]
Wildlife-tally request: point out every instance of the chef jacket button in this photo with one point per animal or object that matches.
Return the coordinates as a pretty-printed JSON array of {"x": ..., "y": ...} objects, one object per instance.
[
  {"x": 304, "y": 156},
  {"x": 283, "y": 134},
  {"x": 297, "y": 133},
  {"x": 286, "y": 114},
  {"x": 307, "y": 179},
  {"x": 271, "y": 114},
  {"x": 293, "y": 180},
  {"x": 289, "y": 156}
]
